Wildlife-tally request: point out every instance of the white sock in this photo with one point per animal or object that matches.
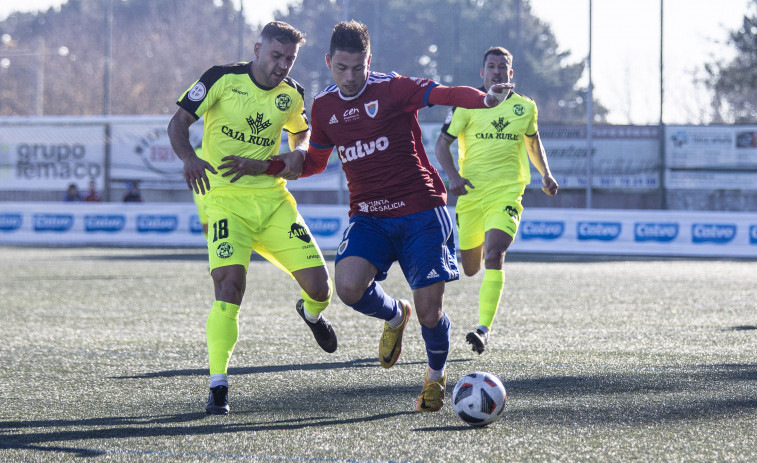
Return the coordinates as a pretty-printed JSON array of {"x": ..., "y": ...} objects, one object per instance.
[
  {"x": 309, "y": 316},
  {"x": 219, "y": 379},
  {"x": 397, "y": 320},
  {"x": 434, "y": 375}
]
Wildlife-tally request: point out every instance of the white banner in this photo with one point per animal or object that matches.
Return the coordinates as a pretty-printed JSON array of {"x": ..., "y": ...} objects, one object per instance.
[
  {"x": 50, "y": 157},
  {"x": 711, "y": 157},
  {"x": 542, "y": 230},
  {"x": 133, "y": 224},
  {"x": 637, "y": 232},
  {"x": 626, "y": 157}
]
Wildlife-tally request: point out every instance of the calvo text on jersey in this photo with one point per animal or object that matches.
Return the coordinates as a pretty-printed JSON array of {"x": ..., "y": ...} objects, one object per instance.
[{"x": 360, "y": 149}]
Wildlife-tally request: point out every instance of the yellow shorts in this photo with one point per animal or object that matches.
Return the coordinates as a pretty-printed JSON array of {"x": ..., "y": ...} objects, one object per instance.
[
  {"x": 488, "y": 208},
  {"x": 199, "y": 200},
  {"x": 264, "y": 220}
]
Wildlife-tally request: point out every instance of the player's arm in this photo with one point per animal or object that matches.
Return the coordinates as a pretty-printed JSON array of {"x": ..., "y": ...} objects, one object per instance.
[
  {"x": 469, "y": 97},
  {"x": 457, "y": 183},
  {"x": 194, "y": 167},
  {"x": 538, "y": 157},
  {"x": 291, "y": 169}
]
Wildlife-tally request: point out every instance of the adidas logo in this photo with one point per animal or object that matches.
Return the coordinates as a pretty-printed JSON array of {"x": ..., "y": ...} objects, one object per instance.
[
  {"x": 432, "y": 274},
  {"x": 333, "y": 119}
]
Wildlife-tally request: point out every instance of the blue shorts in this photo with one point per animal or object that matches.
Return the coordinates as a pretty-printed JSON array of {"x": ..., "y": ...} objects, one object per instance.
[{"x": 422, "y": 243}]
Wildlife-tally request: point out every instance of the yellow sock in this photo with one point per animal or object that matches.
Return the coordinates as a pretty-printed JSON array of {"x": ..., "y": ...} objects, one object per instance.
[
  {"x": 489, "y": 296},
  {"x": 315, "y": 307},
  {"x": 222, "y": 331}
]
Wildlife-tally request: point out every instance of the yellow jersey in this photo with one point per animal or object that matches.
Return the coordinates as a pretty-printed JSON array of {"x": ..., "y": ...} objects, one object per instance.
[
  {"x": 491, "y": 148},
  {"x": 243, "y": 118}
]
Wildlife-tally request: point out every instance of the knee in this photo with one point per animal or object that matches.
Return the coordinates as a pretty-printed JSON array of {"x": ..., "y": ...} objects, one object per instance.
[
  {"x": 229, "y": 289},
  {"x": 470, "y": 270},
  {"x": 429, "y": 318},
  {"x": 349, "y": 290},
  {"x": 494, "y": 260},
  {"x": 320, "y": 292}
]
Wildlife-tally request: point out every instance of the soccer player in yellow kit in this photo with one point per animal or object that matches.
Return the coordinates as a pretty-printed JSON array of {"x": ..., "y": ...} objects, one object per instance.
[
  {"x": 246, "y": 106},
  {"x": 495, "y": 145}
]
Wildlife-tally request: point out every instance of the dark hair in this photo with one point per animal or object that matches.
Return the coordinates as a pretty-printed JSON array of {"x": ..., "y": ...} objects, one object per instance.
[
  {"x": 499, "y": 51},
  {"x": 350, "y": 37},
  {"x": 281, "y": 32}
]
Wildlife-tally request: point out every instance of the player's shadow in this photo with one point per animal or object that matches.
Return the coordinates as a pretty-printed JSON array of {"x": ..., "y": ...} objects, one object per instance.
[
  {"x": 651, "y": 396},
  {"x": 741, "y": 328},
  {"x": 357, "y": 363},
  {"x": 144, "y": 427}
]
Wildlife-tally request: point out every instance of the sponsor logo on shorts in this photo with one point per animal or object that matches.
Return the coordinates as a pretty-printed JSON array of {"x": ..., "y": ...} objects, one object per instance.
[
  {"x": 512, "y": 212},
  {"x": 224, "y": 250},
  {"x": 602, "y": 231},
  {"x": 104, "y": 223},
  {"x": 718, "y": 233},
  {"x": 432, "y": 274},
  {"x": 157, "y": 223},
  {"x": 342, "y": 246},
  {"x": 283, "y": 101},
  {"x": 10, "y": 222},
  {"x": 299, "y": 232},
  {"x": 662, "y": 232},
  {"x": 53, "y": 222},
  {"x": 544, "y": 230},
  {"x": 323, "y": 226},
  {"x": 753, "y": 234}
]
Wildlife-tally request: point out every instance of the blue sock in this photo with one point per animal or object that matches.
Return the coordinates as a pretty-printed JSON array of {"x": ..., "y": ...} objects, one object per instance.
[
  {"x": 437, "y": 343},
  {"x": 375, "y": 303}
]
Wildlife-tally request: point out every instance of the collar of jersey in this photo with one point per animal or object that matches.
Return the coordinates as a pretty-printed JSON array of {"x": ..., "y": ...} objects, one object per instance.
[
  {"x": 257, "y": 84},
  {"x": 357, "y": 95},
  {"x": 509, "y": 94}
]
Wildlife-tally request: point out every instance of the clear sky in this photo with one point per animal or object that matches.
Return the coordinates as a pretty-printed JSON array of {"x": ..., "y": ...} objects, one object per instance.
[{"x": 625, "y": 48}]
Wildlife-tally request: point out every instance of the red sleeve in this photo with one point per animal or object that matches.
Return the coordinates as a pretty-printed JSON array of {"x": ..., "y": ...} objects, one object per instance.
[
  {"x": 462, "y": 97},
  {"x": 316, "y": 161},
  {"x": 274, "y": 168}
]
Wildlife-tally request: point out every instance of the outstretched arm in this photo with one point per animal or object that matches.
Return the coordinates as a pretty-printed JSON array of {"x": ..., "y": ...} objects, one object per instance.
[
  {"x": 316, "y": 160},
  {"x": 469, "y": 97}
]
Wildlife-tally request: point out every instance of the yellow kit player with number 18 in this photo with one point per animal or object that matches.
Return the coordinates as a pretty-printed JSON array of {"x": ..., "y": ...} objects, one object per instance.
[{"x": 246, "y": 106}]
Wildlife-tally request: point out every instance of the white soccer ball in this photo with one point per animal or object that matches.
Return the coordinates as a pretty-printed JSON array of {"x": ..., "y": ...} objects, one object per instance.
[{"x": 479, "y": 398}]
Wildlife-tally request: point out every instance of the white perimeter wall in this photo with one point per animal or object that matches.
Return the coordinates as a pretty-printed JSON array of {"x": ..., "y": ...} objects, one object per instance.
[{"x": 559, "y": 231}]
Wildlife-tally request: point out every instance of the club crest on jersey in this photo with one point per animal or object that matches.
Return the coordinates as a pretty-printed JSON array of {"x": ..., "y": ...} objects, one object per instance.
[
  {"x": 371, "y": 108},
  {"x": 283, "y": 101},
  {"x": 518, "y": 109}
]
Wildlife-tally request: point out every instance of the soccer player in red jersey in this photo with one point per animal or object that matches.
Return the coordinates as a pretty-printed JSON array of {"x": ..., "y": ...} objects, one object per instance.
[{"x": 397, "y": 198}]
